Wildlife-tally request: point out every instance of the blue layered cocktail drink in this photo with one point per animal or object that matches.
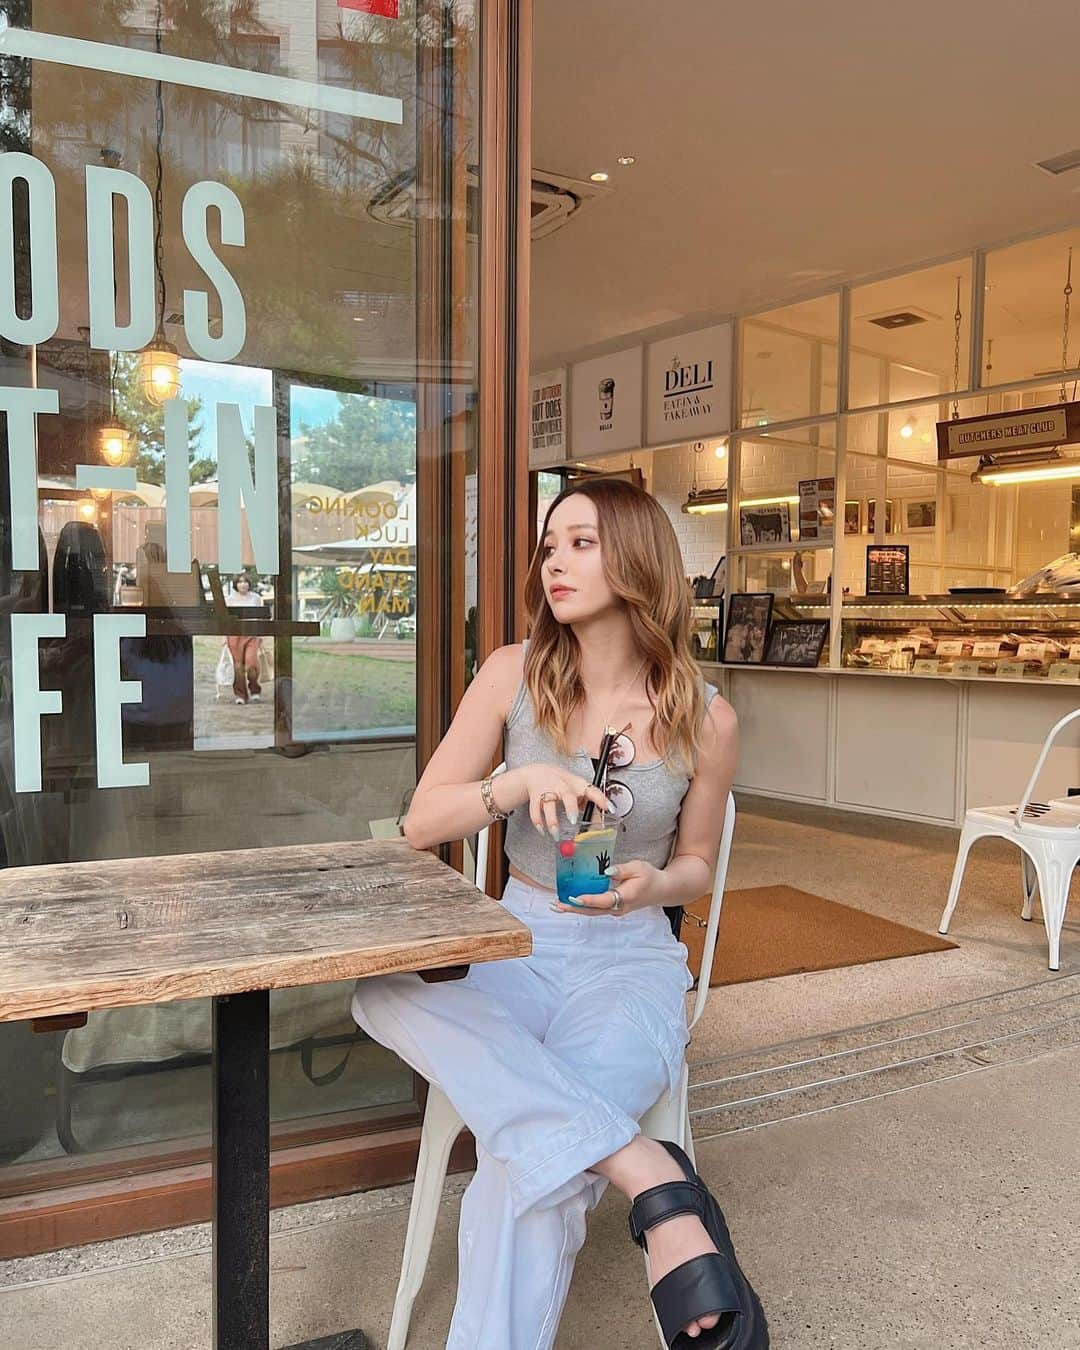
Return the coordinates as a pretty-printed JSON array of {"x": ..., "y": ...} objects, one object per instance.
[{"x": 582, "y": 861}]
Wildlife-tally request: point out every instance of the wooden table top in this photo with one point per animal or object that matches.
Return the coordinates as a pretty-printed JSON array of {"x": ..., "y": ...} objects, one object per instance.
[{"x": 75, "y": 937}]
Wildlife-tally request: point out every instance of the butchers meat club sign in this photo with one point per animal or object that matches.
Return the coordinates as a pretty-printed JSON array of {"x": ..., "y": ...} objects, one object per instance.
[{"x": 1002, "y": 433}]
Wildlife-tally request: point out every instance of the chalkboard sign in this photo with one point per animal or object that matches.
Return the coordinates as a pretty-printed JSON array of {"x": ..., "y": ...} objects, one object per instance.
[{"x": 887, "y": 569}]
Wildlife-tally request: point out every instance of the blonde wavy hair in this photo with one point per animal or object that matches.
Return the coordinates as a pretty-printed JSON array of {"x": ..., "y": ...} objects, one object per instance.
[{"x": 644, "y": 568}]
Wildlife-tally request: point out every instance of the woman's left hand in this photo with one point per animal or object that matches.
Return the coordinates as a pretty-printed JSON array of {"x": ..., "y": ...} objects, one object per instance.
[{"x": 639, "y": 885}]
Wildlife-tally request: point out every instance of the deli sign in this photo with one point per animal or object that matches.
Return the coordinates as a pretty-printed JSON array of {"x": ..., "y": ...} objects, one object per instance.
[{"x": 1000, "y": 433}]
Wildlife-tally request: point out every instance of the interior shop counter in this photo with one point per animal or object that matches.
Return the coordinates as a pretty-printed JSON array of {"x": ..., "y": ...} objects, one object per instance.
[{"x": 916, "y": 746}]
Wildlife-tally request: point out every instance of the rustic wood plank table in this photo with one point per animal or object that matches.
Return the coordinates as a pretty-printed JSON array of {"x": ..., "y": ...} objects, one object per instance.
[{"x": 77, "y": 937}]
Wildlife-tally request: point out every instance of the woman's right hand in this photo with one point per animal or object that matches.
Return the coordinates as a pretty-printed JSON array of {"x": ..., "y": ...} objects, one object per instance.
[{"x": 546, "y": 786}]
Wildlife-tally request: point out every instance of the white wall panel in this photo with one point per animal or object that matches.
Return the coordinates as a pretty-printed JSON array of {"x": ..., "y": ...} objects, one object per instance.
[
  {"x": 1006, "y": 728},
  {"x": 896, "y": 746},
  {"x": 783, "y": 732}
]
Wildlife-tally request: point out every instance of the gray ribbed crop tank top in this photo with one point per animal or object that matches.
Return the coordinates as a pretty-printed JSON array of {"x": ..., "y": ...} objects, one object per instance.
[{"x": 647, "y": 833}]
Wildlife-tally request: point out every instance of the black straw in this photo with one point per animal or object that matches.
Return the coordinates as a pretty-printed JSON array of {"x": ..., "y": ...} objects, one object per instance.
[{"x": 610, "y": 735}]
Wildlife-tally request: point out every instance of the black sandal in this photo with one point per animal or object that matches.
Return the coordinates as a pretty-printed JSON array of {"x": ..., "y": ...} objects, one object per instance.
[{"x": 706, "y": 1285}]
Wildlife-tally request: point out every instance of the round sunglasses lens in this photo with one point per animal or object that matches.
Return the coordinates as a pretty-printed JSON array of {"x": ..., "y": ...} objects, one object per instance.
[
  {"x": 621, "y": 799},
  {"x": 622, "y": 752}
]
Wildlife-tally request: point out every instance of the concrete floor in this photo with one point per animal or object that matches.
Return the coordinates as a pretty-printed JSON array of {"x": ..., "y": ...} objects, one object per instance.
[{"x": 894, "y": 1144}]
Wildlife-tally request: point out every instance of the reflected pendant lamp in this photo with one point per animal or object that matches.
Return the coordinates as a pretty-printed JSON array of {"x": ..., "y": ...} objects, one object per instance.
[
  {"x": 112, "y": 435},
  {"x": 159, "y": 361},
  {"x": 159, "y": 370}
]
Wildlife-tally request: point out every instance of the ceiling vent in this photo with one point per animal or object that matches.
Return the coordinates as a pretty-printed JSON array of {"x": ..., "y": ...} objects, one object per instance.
[
  {"x": 1059, "y": 164},
  {"x": 555, "y": 200},
  {"x": 901, "y": 318}
]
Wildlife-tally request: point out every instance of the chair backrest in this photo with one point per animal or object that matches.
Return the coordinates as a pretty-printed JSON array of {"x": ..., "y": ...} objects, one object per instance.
[
  {"x": 713, "y": 925},
  {"x": 1052, "y": 736}
]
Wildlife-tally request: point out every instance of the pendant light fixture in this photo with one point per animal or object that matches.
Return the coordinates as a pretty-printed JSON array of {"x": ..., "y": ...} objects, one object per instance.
[
  {"x": 1039, "y": 468},
  {"x": 112, "y": 435},
  {"x": 707, "y": 502},
  {"x": 703, "y": 501},
  {"x": 159, "y": 361}
]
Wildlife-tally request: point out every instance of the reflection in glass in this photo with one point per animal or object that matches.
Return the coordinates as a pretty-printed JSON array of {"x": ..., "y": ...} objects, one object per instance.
[
  {"x": 909, "y": 335},
  {"x": 789, "y": 362},
  {"x": 328, "y": 288},
  {"x": 1023, "y": 326}
]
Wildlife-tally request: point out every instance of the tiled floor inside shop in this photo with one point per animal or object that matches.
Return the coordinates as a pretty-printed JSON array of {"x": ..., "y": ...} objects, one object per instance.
[{"x": 895, "y": 1146}]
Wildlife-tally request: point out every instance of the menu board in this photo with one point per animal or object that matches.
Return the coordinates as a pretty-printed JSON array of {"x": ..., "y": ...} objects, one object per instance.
[
  {"x": 817, "y": 508},
  {"x": 887, "y": 569}
]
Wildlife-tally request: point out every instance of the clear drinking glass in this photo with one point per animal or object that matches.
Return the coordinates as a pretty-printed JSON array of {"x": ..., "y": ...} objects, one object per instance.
[{"x": 582, "y": 861}]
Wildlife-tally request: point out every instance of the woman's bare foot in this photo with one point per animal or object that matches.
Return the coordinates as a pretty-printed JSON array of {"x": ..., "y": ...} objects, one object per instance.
[{"x": 644, "y": 1163}]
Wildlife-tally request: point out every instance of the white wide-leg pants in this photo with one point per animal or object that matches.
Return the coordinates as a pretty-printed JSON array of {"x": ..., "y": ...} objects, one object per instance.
[{"x": 551, "y": 1060}]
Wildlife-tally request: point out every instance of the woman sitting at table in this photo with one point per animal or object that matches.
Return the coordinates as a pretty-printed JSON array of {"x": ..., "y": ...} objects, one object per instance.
[{"x": 552, "y": 1059}]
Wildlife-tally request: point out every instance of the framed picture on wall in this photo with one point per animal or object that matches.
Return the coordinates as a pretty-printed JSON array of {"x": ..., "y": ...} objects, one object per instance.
[
  {"x": 852, "y": 517},
  {"x": 747, "y": 628},
  {"x": 871, "y": 516},
  {"x": 765, "y": 524},
  {"x": 796, "y": 642},
  {"x": 919, "y": 514}
]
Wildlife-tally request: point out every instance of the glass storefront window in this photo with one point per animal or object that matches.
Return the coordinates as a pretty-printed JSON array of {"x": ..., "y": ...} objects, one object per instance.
[
  {"x": 903, "y": 335},
  {"x": 1025, "y": 307},
  {"x": 212, "y": 369},
  {"x": 788, "y": 362},
  {"x": 960, "y": 533}
]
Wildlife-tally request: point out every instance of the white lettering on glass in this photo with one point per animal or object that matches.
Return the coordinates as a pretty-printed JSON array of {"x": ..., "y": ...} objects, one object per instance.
[
  {"x": 29, "y": 701},
  {"x": 177, "y": 487},
  {"x": 236, "y": 485},
  {"x": 106, "y": 332},
  {"x": 197, "y": 202},
  {"x": 21, "y": 407},
  {"x": 110, "y": 693},
  {"x": 44, "y": 286}
]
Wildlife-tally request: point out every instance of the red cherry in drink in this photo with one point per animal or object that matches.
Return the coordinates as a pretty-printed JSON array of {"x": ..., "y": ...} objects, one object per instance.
[{"x": 567, "y": 848}]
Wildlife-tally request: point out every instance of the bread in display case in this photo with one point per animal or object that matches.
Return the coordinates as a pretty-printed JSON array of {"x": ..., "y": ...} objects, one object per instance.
[{"x": 970, "y": 634}]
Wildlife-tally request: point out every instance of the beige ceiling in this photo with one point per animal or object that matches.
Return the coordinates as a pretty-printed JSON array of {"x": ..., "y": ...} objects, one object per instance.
[{"x": 782, "y": 147}]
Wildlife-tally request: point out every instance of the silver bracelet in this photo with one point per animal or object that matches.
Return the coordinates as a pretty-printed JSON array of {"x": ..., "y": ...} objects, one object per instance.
[{"x": 487, "y": 796}]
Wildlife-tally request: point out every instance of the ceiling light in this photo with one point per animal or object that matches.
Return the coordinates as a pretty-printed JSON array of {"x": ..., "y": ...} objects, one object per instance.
[
  {"x": 908, "y": 429},
  {"x": 1025, "y": 469},
  {"x": 706, "y": 502},
  {"x": 599, "y": 176},
  {"x": 720, "y": 450},
  {"x": 769, "y": 501},
  {"x": 626, "y": 160}
]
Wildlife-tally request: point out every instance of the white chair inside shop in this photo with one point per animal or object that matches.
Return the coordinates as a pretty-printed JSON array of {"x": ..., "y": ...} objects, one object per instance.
[
  {"x": 668, "y": 1119},
  {"x": 1048, "y": 837}
]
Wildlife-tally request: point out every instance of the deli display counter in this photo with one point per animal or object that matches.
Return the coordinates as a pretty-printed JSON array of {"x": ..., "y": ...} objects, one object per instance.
[{"x": 962, "y": 634}]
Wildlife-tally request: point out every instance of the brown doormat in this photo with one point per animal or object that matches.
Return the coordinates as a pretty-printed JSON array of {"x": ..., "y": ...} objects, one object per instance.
[{"x": 778, "y": 930}]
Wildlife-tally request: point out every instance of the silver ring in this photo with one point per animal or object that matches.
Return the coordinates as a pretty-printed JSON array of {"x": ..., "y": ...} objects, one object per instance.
[
  {"x": 549, "y": 797},
  {"x": 616, "y": 901}
]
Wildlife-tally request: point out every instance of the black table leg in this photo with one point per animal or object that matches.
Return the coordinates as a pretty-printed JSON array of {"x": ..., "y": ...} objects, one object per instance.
[{"x": 241, "y": 1171}]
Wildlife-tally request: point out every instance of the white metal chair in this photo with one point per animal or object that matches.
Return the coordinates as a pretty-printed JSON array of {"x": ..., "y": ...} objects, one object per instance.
[
  {"x": 668, "y": 1119},
  {"x": 1048, "y": 837}
]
